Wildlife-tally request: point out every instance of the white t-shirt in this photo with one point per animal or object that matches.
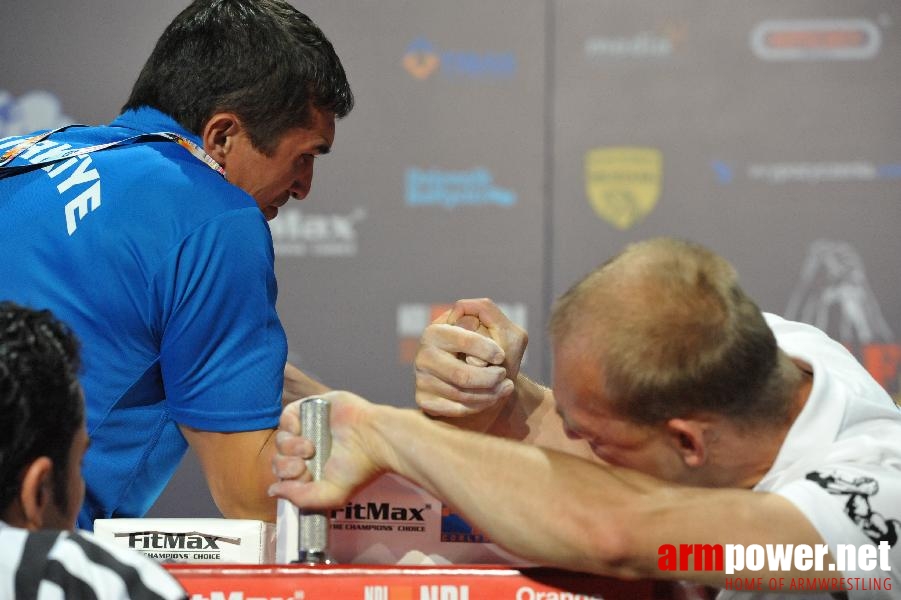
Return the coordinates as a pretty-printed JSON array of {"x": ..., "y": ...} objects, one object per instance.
[{"x": 840, "y": 463}]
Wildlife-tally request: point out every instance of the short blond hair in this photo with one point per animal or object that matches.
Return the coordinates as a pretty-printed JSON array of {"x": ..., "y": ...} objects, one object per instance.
[{"x": 675, "y": 335}]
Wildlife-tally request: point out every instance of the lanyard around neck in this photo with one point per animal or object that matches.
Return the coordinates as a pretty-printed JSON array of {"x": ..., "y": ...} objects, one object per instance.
[{"x": 6, "y": 170}]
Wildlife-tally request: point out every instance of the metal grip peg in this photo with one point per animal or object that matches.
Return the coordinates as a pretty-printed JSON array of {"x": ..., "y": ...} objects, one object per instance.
[{"x": 313, "y": 526}]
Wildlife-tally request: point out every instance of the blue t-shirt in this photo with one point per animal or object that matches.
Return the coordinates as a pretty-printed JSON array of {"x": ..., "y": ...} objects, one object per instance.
[{"x": 165, "y": 273}]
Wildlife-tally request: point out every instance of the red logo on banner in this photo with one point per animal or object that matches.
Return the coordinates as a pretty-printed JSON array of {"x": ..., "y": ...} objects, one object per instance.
[{"x": 816, "y": 39}]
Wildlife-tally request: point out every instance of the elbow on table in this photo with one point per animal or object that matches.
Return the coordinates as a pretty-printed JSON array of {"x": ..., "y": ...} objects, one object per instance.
[
  {"x": 236, "y": 503},
  {"x": 614, "y": 549}
]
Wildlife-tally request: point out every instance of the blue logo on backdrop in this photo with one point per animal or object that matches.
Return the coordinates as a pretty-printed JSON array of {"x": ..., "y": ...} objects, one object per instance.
[
  {"x": 450, "y": 189},
  {"x": 422, "y": 60},
  {"x": 805, "y": 172},
  {"x": 30, "y": 112},
  {"x": 723, "y": 171}
]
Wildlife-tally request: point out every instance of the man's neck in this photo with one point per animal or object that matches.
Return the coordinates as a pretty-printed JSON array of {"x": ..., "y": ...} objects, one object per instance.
[{"x": 743, "y": 455}]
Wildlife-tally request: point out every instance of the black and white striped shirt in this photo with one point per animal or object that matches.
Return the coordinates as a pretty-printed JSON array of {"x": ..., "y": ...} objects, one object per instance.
[{"x": 51, "y": 565}]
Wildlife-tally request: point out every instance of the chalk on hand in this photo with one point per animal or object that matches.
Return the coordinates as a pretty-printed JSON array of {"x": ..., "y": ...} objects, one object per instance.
[{"x": 476, "y": 362}]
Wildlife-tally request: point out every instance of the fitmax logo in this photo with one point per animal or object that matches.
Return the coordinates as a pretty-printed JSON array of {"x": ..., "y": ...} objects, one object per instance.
[
  {"x": 382, "y": 511},
  {"x": 159, "y": 540},
  {"x": 296, "y": 233}
]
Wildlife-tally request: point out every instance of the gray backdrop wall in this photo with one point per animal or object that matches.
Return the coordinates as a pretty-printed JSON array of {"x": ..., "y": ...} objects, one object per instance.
[{"x": 505, "y": 148}]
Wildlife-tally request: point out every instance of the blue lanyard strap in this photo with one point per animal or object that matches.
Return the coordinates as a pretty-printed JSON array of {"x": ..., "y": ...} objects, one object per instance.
[{"x": 6, "y": 170}]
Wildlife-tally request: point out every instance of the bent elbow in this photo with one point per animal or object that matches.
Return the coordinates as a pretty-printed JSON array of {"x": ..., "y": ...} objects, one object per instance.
[
  {"x": 245, "y": 504},
  {"x": 616, "y": 551}
]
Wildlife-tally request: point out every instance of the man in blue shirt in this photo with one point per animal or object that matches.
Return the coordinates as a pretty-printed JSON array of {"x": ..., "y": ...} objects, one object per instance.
[{"x": 149, "y": 237}]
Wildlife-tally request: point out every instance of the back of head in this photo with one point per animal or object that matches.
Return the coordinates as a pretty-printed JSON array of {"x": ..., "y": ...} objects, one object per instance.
[
  {"x": 41, "y": 406},
  {"x": 674, "y": 335},
  {"x": 261, "y": 59}
]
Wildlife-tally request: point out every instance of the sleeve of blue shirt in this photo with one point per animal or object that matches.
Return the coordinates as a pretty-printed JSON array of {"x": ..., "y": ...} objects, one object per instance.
[{"x": 223, "y": 348}]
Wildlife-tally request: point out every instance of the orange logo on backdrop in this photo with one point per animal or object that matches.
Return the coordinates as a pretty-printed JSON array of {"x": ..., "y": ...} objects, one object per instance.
[
  {"x": 421, "y": 60},
  {"x": 421, "y": 65}
]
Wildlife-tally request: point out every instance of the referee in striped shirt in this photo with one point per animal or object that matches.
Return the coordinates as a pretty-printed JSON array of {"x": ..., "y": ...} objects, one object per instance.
[{"x": 42, "y": 442}]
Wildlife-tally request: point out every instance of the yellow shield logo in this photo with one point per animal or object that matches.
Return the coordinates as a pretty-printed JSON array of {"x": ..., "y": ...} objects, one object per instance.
[{"x": 623, "y": 184}]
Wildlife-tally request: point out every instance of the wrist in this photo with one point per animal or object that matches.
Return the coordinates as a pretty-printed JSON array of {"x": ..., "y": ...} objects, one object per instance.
[
  {"x": 388, "y": 429},
  {"x": 527, "y": 393}
]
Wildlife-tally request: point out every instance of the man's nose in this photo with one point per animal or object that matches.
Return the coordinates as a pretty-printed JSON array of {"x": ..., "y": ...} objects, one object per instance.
[{"x": 300, "y": 188}]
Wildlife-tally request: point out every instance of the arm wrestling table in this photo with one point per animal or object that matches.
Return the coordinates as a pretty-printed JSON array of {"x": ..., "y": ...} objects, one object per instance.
[{"x": 458, "y": 582}]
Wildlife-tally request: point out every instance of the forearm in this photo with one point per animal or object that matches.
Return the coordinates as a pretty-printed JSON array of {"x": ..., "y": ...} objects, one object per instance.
[
  {"x": 548, "y": 507},
  {"x": 525, "y": 413},
  {"x": 559, "y": 510},
  {"x": 505, "y": 489},
  {"x": 528, "y": 415},
  {"x": 299, "y": 385},
  {"x": 512, "y": 417}
]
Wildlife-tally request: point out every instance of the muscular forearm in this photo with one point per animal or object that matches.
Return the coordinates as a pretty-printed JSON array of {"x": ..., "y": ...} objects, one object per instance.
[
  {"x": 497, "y": 484},
  {"x": 548, "y": 507},
  {"x": 524, "y": 412},
  {"x": 512, "y": 417},
  {"x": 559, "y": 510},
  {"x": 299, "y": 385},
  {"x": 529, "y": 415}
]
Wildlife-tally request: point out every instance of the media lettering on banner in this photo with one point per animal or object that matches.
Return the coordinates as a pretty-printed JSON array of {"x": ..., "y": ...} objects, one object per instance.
[{"x": 647, "y": 44}]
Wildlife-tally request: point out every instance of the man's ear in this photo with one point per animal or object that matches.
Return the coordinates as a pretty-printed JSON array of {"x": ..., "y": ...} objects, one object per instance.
[
  {"x": 690, "y": 438},
  {"x": 218, "y": 134},
  {"x": 36, "y": 493}
]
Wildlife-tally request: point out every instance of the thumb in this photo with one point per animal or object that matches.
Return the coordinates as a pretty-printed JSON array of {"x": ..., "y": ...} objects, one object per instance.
[{"x": 469, "y": 322}]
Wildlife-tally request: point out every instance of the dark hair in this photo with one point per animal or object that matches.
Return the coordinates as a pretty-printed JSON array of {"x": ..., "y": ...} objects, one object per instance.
[
  {"x": 41, "y": 406},
  {"x": 261, "y": 59}
]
